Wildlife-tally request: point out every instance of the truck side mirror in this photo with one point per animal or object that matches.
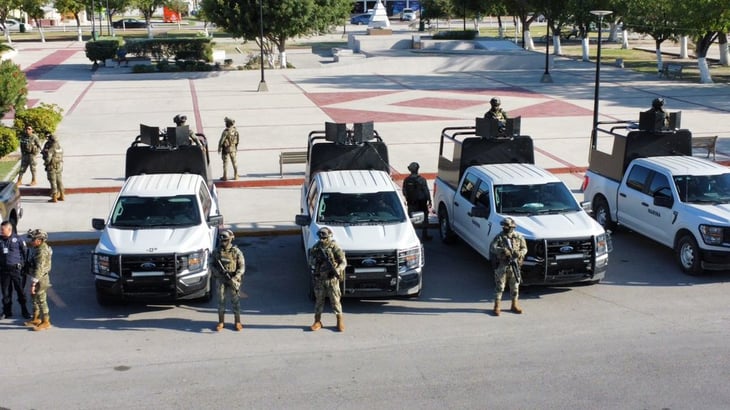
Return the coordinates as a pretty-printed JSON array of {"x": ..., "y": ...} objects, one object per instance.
[
  {"x": 663, "y": 201},
  {"x": 417, "y": 217},
  {"x": 215, "y": 220},
  {"x": 587, "y": 206},
  {"x": 303, "y": 220},
  {"x": 98, "y": 224},
  {"x": 479, "y": 212}
]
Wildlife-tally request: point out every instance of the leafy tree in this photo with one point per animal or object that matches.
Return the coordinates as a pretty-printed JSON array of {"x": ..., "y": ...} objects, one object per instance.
[
  {"x": 6, "y": 6},
  {"x": 147, "y": 8},
  {"x": 13, "y": 87},
  {"x": 34, "y": 11},
  {"x": 658, "y": 20},
  {"x": 74, "y": 7}
]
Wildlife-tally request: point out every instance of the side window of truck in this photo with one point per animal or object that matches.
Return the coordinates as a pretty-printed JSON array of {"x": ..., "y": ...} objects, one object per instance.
[
  {"x": 467, "y": 188},
  {"x": 482, "y": 196},
  {"x": 204, "y": 197},
  {"x": 659, "y": 185},
  {"x": 637, "y": 178},
  {"x": 312, "y": 198}
]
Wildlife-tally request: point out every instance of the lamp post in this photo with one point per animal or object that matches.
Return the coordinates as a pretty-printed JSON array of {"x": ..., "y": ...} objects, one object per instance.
[
  {"x": 546, "y": 78},
  {"x": 600, "y": 14},
  {"x": 262, "y": 84}
]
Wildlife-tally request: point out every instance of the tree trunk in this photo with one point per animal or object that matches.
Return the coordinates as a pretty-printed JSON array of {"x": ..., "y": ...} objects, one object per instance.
[
  {"x": 585, "y": 48},
  {"x": 613, "y": 33},
  {"x": 557, "y": 50},
  {"x": 722, "y": 43},
  {"x": 625, "y": 39},
  {"x": 683, "y": 47},
  {"x": 705, "y": 77},
  {"x": 659, "y": 62},
  {"x": 529, "y": 44},
  {"x": 703, "y": 45}
]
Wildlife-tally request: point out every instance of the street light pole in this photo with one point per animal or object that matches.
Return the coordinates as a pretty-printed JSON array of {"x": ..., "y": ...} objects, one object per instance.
[
  {"x": 600, "y": 14},
  {"x": 262, "y": 84},
  {"x": 546, "y": 78},
  {"x": 93, "y": 21}
]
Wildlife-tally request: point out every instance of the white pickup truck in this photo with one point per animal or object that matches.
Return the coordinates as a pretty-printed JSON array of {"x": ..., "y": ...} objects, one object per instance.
[
  {"x": 157, "y": 239},
  {"x": 348, "y": 189},
  {"x": 565, "y": 245},
  {"x": 663, "y": 193}
]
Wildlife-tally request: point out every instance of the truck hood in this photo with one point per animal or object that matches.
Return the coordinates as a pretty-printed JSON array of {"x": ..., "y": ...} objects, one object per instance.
[
  {"x": 375, "y": 237},
  {"x": 579, "y": 224},
  {"x": 144, "y": 241},
  {"x": 716, "y": 214}
]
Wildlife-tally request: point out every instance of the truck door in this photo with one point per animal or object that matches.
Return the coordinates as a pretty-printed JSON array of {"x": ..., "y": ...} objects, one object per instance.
[
  {"x": 463, "y": 202},
  {"x": 661, "y": 218},
  {"x": 632, "y": 202},
  {"x": 482, "y": 227}
]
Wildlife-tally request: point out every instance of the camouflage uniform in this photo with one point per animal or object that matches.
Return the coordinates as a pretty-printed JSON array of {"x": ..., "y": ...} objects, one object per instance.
[
  {"x": 228, "y": 148},
  {"x": 30, "y": 146},
  {"x": 496, "y": 111},
  {"x": 503, "y": 272},
  {"x": 229, "y": 257},
  {"x": 39, "y": 272},
  {"x": 53, "y": 161},
  {"x": 326, "y": 282},
  {"x": 418, "y": 197}
]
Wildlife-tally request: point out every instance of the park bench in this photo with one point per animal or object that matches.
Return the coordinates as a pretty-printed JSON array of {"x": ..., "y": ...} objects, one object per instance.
[
  {"x": 707, "y": 143},
  {"x": 673, "y": 70},
  {"x": 291, "y": 157}
]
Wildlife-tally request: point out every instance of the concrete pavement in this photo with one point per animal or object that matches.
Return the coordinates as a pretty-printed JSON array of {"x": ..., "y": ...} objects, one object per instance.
[{"x": 410, "y": 95}]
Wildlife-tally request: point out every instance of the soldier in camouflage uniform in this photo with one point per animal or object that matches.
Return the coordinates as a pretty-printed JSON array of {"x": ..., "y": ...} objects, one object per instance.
[
  {"x": 228, "y": 269},
  {"x": 30, "y": 146},
  {"x": 182, "y": 121},
  {"x": 228, "y": 147},
  {"x": 507, "y": 246},
  {"x": 327, "y": 262},
  {"x": 40, "y": 269},
  {"x": 53, "y": 161},
  {"x": 496, "y": 111}
]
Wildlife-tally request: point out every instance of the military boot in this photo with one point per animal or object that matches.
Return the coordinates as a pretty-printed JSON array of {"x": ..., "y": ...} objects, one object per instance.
[
  {"x": 340, "y": 323},
  {"x": 225, "y": 175},
  {"x": 317, "y": 322},
  {"x": 35, "y": 322},
  {"x": 220, "y": 324},
  {"x": 516, "y": 306},
  {"x": 20, "y": 181},
  {"x": 238, "y": 325},
  {"x": 24, "y": 310},
  {"x": 61, "y": 197},
  {"x": 497, "y": 310},
  {"x": 33, "y": 182},
  {"x": 7, "y": 311},
  {"x": 54, "y": 198},
  {"x": 235, "y": 173},
  {"x": 45, "y": 323}
]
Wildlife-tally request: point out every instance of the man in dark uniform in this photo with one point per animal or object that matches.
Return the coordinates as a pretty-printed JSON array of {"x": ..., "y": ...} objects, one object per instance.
[
  {"x": 508, "y": 247},
  {"x": 229, "y": 266},
  {"x": 327, "y": 262},
  {"x": 12, "y": 259},
  {"x": 418, "y": 197},
  {"x": 661, "y": 117}
]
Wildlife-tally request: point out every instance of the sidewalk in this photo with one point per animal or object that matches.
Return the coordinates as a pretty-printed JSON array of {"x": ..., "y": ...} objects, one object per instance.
[{"x": 410, "y": 96}]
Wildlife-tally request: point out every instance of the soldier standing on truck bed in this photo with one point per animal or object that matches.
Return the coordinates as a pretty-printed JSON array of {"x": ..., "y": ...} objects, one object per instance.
[
  {"x": 228, "y": 147},
  {"x": 510, "y": 248},
  {"x": 30, "y": 146},
  {"x": 418, "y": 197},
  {"x": 327, "y": 261},
  {"x": 53, "y": 161},
  {"x": 657, "y": 107},
  {"x": 496, "y": 111},
  {"x": 229, "y": 266}
]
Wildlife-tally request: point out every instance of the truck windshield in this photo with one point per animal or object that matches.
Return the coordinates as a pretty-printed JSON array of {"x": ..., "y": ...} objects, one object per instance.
[
  {"x": 155, "y": 212},
  {"x": 349, "y": 209},
  {"x": 714, "y": 189},
  {"x": 548, "y": 198}
]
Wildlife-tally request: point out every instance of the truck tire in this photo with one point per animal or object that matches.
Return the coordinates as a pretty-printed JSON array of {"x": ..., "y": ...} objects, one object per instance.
[
  {"x": 602, "y": 213},
  {"x": 689, "y": 255},
  {"x": 445, "y": 232}
]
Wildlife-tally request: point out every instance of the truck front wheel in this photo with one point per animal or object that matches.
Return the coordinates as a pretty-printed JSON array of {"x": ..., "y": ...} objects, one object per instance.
[
  {"x": 688, "y": 255},
  {"x": 602, "y": 213},
  {"x": 447, "y": 234}
]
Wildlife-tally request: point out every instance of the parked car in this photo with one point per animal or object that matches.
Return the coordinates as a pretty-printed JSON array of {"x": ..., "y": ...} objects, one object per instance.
[
  {"x": 129, "y": 23},
  {"x": 360, "y": 19},
  {"x": 13, "y": 25},
  {"x": 407, "y": 15}
]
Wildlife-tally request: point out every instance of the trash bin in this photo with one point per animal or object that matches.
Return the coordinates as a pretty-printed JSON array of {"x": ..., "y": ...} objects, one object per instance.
[{"x": 22, "y": 27}]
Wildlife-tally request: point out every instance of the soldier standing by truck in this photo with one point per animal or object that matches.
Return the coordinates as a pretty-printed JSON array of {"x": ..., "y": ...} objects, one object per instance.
[
  {"x": 228, "y": 147},
  {"x": 418, "y": 197},
  {"x": 30, "y": 146},
  {"x": 229, "y": 266},
  {"x": 53, "y": 161},
  {"x": 328, "y": 262},
  {"x": 39, "y": 273},
  {"x": 510, "y": 249}
]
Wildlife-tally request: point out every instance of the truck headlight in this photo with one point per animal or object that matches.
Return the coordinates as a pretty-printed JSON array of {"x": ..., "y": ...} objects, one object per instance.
[
  {"x": 100, "y": 264},
  {"x": 602, "y": 245},
  {"x": 196, "y": 261},
  {"x": 409, "y": 259},
  {"x": 712, "y": 235}
]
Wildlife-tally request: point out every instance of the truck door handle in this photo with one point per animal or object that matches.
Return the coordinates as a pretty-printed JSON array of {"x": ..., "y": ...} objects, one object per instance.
[
  {"x": 622, "y": 195},
  {"x": 456, "y": 204},
  {"x": 644, "y": 204}
]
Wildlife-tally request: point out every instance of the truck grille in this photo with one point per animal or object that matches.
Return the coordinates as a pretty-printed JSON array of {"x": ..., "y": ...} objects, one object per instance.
[
  {"x": 554, "y": 259},
  {"x": 371, "y": 272},
  {"x": 150, "y": 273}
]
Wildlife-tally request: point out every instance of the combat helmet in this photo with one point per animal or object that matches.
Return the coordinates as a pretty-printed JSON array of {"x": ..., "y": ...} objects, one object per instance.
[
  {"x": 180, "y": 119},
  {"x": 495, "y": 102},
  {"x": 324, "y": 233},
  {"x": 34, "y": 234},
  {"x": 657, "y": 103},
  {"x": 229, "y": 122},
  {"x": 508, "y": 223},
  {"x": 226, "y": 236},
  {"x": 413, "y": 167}
]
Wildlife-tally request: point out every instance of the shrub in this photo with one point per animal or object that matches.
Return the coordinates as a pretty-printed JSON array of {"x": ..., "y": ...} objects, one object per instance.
[
  {"x": 13, "y": 87},
  {"x": 177, "y": 48},
  {"x": 455, "y": 35},
  {"x": 139, "y": 68},
  {"x": 44, "y": 119},
  {"x": 8, "y": 140},
  {"x": 102, "y": 49}
]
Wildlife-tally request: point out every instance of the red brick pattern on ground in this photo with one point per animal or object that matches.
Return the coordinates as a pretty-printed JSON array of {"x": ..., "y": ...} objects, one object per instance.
[
  {"x": 439, "y": 103},
  {"x": 495, "y": 92},
  {"x": 323, "y": 99},
  {"x": 49, "y": 85},
  {"x": 552, "y": 108},
  {"x": 48, "y": 63},
  {"x": 344, "y": 115}
]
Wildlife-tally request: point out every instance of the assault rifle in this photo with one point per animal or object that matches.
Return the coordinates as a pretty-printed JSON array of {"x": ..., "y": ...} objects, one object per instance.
[
  {"x": 513, "y": 261},
  {"x": 332, "y": 273},
  {"x": 229, "y": 275}
]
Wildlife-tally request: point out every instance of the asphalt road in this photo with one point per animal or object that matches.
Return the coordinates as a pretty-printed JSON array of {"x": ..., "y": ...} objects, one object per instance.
[{"x": 648, "y": 337}]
